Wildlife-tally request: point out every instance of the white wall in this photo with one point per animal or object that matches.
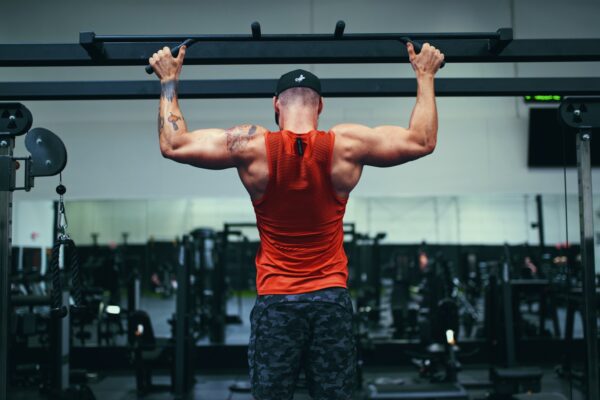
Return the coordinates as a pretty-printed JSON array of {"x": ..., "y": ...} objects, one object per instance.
[
  {"x": 484, "y": 219},
  {"x": 113, "y": 152},
  {"x": 32, "y": 223}
]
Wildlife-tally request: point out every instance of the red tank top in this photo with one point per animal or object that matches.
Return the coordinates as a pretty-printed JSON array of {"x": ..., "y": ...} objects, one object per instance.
[{"x": 300, "y": 218}]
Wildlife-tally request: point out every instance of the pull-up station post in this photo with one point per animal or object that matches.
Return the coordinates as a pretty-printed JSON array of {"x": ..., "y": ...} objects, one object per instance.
[{"x": 581, "y": 115}]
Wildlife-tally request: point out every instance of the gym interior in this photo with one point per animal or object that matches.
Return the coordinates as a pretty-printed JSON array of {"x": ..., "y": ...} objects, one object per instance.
[{"x": 125, "y": 275}]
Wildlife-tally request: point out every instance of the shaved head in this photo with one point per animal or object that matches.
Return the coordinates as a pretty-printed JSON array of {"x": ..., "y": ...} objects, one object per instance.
[
  {"x": 298, "y": 103},
  {"x": 299, "y": 96}
]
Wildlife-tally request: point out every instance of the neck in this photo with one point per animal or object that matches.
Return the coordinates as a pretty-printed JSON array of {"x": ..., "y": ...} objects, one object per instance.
[{"x": 299, "y": 121}]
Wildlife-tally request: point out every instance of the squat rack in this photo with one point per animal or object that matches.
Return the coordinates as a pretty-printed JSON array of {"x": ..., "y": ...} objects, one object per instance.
[{"x": 336, "y": 48}]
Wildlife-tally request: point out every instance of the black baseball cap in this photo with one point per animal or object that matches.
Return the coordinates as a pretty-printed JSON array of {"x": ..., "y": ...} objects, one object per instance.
[{"x": 298, "y": 78}]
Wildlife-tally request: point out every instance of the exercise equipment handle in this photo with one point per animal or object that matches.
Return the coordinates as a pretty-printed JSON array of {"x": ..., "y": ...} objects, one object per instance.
[
  {"x": 57, "y": 308},
  {"x": 174, "y": 53}
]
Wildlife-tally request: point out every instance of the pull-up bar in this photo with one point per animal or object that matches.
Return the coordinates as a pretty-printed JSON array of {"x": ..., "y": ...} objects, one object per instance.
[
  {"x": 335, "y": 48},
  {"x": 504, "y": 34},
  {"x": 264, "y": 88},
  {"x": 92, "y": 42}
]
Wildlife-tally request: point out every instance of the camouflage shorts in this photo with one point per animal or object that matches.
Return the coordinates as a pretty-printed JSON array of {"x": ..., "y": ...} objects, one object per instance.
[{"x": 309, "y": 331}]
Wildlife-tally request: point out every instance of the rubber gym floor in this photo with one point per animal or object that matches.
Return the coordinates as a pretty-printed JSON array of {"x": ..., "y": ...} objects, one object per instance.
[{"x": 216, "y": 386}]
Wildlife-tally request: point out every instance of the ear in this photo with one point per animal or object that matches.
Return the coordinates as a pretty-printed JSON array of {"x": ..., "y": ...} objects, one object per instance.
[
  {"x": 276, "y": 108},
  {"x": 320, "y": 105}
]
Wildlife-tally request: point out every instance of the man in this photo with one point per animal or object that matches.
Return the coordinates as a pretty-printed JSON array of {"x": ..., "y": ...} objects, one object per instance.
[{"x": 299, "y": 180}]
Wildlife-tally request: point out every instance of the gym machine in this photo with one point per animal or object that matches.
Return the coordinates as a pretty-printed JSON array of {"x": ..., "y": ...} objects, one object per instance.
[
  {"x": 47, "y": 157},
  {"x": 368, "y": 284},
  {"x": 581, "y": 115},
  {"x": 203, "y": 272},
  {"x": 219, "y": 316},
  {"x": 149, "y": 353},
  {"x": 509, "y": 379}
]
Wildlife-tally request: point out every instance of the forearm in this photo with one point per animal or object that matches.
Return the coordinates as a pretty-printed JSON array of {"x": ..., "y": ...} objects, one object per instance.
[
  {"x": 424, "y": 119},
  {"x": 171, "y": 125}
]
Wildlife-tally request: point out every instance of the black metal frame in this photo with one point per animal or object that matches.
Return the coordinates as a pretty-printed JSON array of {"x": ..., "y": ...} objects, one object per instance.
[
  {"x": 184, "y": 343},
  {"x": 581, "y": 115},
  {"x": 47, "y": 152},
  {"x": 293, "y": 49},
  {"x": 257, "y": 48},
  {"x": 264, "y": 88},
  {"x": 586, "y": 226},
  {"x": 6, "y": 149}
]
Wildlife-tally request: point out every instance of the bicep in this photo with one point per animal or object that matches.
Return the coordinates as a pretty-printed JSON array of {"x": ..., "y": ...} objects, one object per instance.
[
  {"x": 387, "y": 146},
  {"x": 382, "y": 146},
  {"x": 203, "y": 148},
  {"x": 216, "y": 148}
]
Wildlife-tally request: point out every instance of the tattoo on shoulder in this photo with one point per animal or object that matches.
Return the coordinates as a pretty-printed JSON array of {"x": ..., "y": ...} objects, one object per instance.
[
  {"x": 239, "y": 136},
  {"x": 168, "y": 90}
]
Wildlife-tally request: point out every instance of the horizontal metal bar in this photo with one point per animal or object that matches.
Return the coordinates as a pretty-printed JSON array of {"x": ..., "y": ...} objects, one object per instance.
[
  {"x": 30, "y": 300},
  {"x": 306, "y": 52},
  {"x": 264, "y": 88},
  {"x": 228, "y": 225},
  {"x": 295, "y": 37}
]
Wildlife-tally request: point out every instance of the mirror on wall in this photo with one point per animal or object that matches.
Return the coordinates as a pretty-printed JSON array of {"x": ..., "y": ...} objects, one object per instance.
[{"x": 416, "y": 264}]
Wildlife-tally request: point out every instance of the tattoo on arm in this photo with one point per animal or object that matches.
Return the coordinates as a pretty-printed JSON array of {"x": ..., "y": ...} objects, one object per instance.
[
  {"x": 168, "y": 90},
  {"x": 239, "y": 136},
  {"x": 161, "y": 122},
  {"x": 173, "y": 120}
]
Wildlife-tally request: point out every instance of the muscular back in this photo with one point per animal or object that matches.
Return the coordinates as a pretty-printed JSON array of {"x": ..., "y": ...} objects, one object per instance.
[{"x": 253, "y": 166}]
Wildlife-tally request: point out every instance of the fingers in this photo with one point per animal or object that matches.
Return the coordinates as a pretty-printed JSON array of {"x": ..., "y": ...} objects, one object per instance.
[
  {"x": 411, "y": 51},
  {"x": 162, "y": 54},
  {"x": 165, "y": 65},
  {"x": 439, "y": 56},
  {"x": 181, "y": 54},
  {"x": 429, "y": 59},
  {"x": 432, "y": 52},
  {"x": 428, "y": 49},
  {"x": 425, "y": 50},
  {"x": 165, "y": 52},
  {"x": 153, "y": 59}
]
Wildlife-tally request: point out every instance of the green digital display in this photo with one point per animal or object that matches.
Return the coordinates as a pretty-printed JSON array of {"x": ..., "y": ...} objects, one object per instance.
[{"x": 543, "y": 98}]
